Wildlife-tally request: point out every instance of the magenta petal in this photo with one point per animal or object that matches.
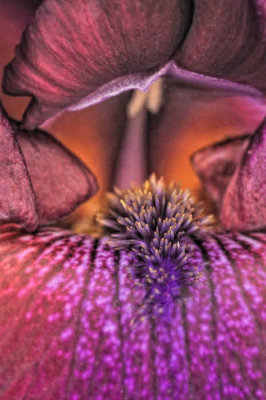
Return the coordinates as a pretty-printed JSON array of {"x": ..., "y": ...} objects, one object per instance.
[
  {"x": 66, "y": 308},
  {"x": 244, "y": 205},
  {"x": 60, "y": 180},
  {"x": 216, "y": 164},
  {"x": 227, "y": 39},
  {"x": 17, "y": 199},
  {"x": 73, "y": 48}
]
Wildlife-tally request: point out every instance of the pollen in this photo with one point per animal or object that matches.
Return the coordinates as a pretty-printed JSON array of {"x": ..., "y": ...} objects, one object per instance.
[{"x": 154, "y": 223}]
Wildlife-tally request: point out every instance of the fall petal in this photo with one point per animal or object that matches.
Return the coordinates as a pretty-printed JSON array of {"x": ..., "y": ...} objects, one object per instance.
[
  {"x": 70, "y": 50},
  {"x": 60, "y": 180},
  {"x": 66, "y": 308},
  {"x": 227, "y": 39},
  {"x": 244, "y": 205},
  {"x": 216, "y": 164}
]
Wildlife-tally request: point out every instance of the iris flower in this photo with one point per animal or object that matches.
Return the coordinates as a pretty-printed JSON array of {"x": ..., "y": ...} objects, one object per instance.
[{"x": 69, "y": 303}]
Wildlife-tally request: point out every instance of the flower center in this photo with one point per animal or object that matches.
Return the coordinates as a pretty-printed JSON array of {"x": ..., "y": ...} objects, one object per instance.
[{"x": 154, "y": 223}]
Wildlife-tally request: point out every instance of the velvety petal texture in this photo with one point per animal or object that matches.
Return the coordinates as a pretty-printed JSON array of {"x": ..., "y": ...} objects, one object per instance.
[
  {"x": 244, "y": 205},
  {"x": 67, "y": 309},
  {"x": 227, "y": 39},
  {"x": 17, "y": 196},
  {"x": 41, "y": 181},
  {"x": 73, "y": 48},
  {"x": 77, "y": 54},
  {"x": 215, "y": 165}
]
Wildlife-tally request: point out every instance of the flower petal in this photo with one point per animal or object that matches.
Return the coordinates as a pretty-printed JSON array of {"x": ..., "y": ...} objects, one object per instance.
[
  {"x": 71, "y": 49},
  {"x": 227, "y": 39},
  {"x": 66, "y": 308},
  {"x": 216, "y": 164},
  {"x": 17, "y": 196},
  {"x": 244, "y": 205},
  {"x": 191, "y": 118},
  {"x": 41, "y": 181},
  {"x": 60, "y": 180}
]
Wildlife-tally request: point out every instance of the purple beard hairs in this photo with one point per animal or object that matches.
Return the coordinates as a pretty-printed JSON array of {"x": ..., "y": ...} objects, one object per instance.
[
  {"x": 73, "y": 55},
  {"x": 69, "y": 307},
  {"x": 154, "y": 223}
]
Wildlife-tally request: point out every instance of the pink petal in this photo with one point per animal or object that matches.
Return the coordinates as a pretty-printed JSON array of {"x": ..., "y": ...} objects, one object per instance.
[
  {"x": 72, "y": 49},
  {"x": 66, "y": 332},
  {"x": 216, "y": 164},
  {"x": 41, "y": 181},
  {"x": 227, "y": 39},
  {"x": 60, "y": 180},
  {"x": 17, "y": 199},
  {"x": 244, "y": 205}
]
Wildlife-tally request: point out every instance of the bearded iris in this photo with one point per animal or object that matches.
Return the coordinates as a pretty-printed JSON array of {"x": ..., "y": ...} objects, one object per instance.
[{"x": 67, "y": 301}]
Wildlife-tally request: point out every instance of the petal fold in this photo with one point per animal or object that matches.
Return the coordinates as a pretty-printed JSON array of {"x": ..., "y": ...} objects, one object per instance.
[
  {"x": 244, "y": 205},
  {"x": 41, "y": 181},
  {"x": 72, "y": 49},
  {"x": 59, "y": 179},
  {"x": 216, "y": 164},
  {"x": 227, "y": 39},
  {"x": 192, "y": 117},
  {"x": 17, "y": 196}
]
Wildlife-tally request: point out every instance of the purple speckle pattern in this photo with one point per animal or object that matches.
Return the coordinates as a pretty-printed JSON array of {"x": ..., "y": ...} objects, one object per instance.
[{"x": 67, "y": 327}]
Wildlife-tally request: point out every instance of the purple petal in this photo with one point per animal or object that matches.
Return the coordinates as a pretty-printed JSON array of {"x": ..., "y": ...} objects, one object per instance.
[
  {"x": 244, "y": 205},
  {"x": 41, "y": 181},
  {"x": 66, "y": 309},
  {"x": 216, "y": 164},
  {"x": 227, "y": 39},
  {"x": 72, "y": 49}
]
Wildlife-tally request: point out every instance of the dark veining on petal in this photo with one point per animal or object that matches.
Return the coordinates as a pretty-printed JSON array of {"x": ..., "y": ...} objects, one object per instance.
[
  {"x": 90, "y": 269},
  {"x": 240, "y": 238},
  {"x": 214, "y": 306},
  {"x": 153, "y": 344},
  {"x": 29, "y": 261},
  {"x": 232, "y": 264},
  {"x": 196, "y": 345},
  {"x": 118, "y": 306},
  {"x": 187, "y": 347}
]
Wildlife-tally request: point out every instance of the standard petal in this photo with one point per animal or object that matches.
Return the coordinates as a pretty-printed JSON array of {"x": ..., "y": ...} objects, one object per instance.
[
  {"x": 72, "y": 49},
  {"x": 227, "y": 40},
  {"x": 66, "y": 309},
  {"x": 244, "y": 205},
  {"x": 216, "y": 164},
  {"x": 60, "y": 180}
]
